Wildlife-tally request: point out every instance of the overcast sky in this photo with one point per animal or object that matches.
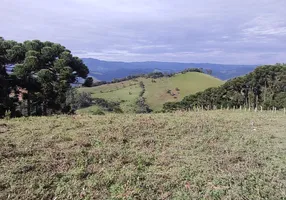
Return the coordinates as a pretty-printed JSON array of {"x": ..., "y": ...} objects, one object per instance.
[{"x": 214, "y": 31}]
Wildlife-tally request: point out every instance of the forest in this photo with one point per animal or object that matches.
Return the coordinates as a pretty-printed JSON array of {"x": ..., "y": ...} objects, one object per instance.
[
  {"x": 264, "y": 88},
  {"x": 36, "y": 78}
]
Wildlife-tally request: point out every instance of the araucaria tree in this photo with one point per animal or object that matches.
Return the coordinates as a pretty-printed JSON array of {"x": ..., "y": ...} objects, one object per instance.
[{"x": 42, "y": 75}]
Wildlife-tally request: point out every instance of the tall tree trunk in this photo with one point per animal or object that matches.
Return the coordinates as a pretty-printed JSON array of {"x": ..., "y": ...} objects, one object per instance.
[
  {"x": 249, "y": 100},
  {"x": 45, "y": 108},
  {"x": 28, "y": 96},
  {"x": 265, "y": 90},
  {"x": 256, "y": 103},
  {"x": 28, "y": 103}
]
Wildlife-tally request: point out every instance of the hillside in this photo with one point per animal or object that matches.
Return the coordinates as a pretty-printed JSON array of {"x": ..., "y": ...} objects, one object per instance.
[
  {"x": 109, "y": 70},
  {"x": 203, "y": 155},
  {"x": 157, "y": 91},
  {"x": 264, "y": 88}
]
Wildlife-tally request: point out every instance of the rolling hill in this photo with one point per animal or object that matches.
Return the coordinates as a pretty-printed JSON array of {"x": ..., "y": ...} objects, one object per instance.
[
  {"x": 264, "y": 88},
  {"x": 109, "y": 70},
  {"x": 157, "y": 91}
]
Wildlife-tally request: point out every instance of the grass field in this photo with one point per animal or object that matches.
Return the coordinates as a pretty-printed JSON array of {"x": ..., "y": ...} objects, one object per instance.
[
  {"x": 189, "y": 83},
  {"x": 126, "y": 93},
  {"x": 156, "y": 92},
  {"x": 203, "y": 155}
]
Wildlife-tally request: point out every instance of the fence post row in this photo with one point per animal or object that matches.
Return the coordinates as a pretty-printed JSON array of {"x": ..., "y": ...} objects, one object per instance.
[{"x": 214, "y": 107}]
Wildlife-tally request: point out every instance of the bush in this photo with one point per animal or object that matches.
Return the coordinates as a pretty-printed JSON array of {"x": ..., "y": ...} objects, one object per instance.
[
  {"x": 142, "y": 107},
  {"x": 108, "y": 105},
  {"x": 88, "y": 82},
  {"x": 83, "y": 100},
  {"x": 97, "y": 112},
  {"x": 200, "y": 70},
  {"x": 117, "y": 110}
]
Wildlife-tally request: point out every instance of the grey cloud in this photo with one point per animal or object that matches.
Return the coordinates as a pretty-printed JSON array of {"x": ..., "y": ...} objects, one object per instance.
[{"x": 221, "y": 31}]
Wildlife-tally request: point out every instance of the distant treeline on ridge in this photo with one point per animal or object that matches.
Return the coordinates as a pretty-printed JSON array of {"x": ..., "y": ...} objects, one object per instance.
[{"x": 153, "y": 75}]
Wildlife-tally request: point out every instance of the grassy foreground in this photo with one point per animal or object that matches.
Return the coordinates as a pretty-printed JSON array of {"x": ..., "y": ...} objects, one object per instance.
[{"x": 205, "y": 155}]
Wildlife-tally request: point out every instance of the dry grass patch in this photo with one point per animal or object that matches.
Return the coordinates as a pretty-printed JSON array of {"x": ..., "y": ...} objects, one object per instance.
[{"x": 206, "y": 155}]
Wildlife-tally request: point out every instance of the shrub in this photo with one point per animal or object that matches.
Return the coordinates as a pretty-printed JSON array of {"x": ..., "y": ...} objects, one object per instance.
[
  {"x": 83, "y": 100},
  {"x": 97, "y": 112},
  {"x": 142, "y": 107},
  {"x": 117, "y": 110},
  {"x": 88, "y": 82}
]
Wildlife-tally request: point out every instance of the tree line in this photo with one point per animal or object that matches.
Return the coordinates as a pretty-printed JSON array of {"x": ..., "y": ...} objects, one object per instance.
[
  {"x": 36, "y": 78},
  {"x": 265, "y": 87}
]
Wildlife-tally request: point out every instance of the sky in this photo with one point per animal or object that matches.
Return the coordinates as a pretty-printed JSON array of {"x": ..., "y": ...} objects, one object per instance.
[{"x": 205, "y": 31}]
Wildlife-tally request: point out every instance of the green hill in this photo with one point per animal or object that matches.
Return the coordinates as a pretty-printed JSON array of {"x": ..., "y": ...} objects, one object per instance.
[
  {"x": 157, "y": 91},
  {"x": 264, "y": 88}
]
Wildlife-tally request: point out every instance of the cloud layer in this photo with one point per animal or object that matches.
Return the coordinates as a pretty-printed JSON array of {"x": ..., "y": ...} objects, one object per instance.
[{"x": 218, "y": 31}]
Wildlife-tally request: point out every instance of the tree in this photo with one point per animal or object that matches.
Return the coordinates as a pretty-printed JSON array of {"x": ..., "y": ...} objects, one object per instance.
[
  {"x": 45, "y": 69},
  {"x": 209, "y": 71},
  {"x": 88, "y": 82},
  {"x": 10, "y": 53}
]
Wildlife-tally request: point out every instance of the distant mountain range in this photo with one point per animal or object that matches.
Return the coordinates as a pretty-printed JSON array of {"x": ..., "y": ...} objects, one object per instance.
[{"x": 109, "y": 70}]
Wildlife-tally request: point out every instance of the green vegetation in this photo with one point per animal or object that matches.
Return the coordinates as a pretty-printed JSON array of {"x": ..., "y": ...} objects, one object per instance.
[
  {"x": 265, "y": 87},
  {"x": 125, "y": 93},
  {"x": 156, "y": 90},
  {"x": 180, "y": 85},
  {"x": 40, "y": 79},
  {"x": 195, "y": 155},
  {"x": 103, "y": 155},
  {"x": 153, "y": 75},
  {"x": 88, "y": 82}
]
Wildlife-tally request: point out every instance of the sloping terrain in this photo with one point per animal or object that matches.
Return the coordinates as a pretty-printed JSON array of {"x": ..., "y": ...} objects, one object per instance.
[
  {"x": 178, "y": 86},
  {"x": 157, "y": 91},
  {"x": 196, "y": 155},
  {"x": 110, "y": 70},
  {"x": 264, "y": 88}
]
